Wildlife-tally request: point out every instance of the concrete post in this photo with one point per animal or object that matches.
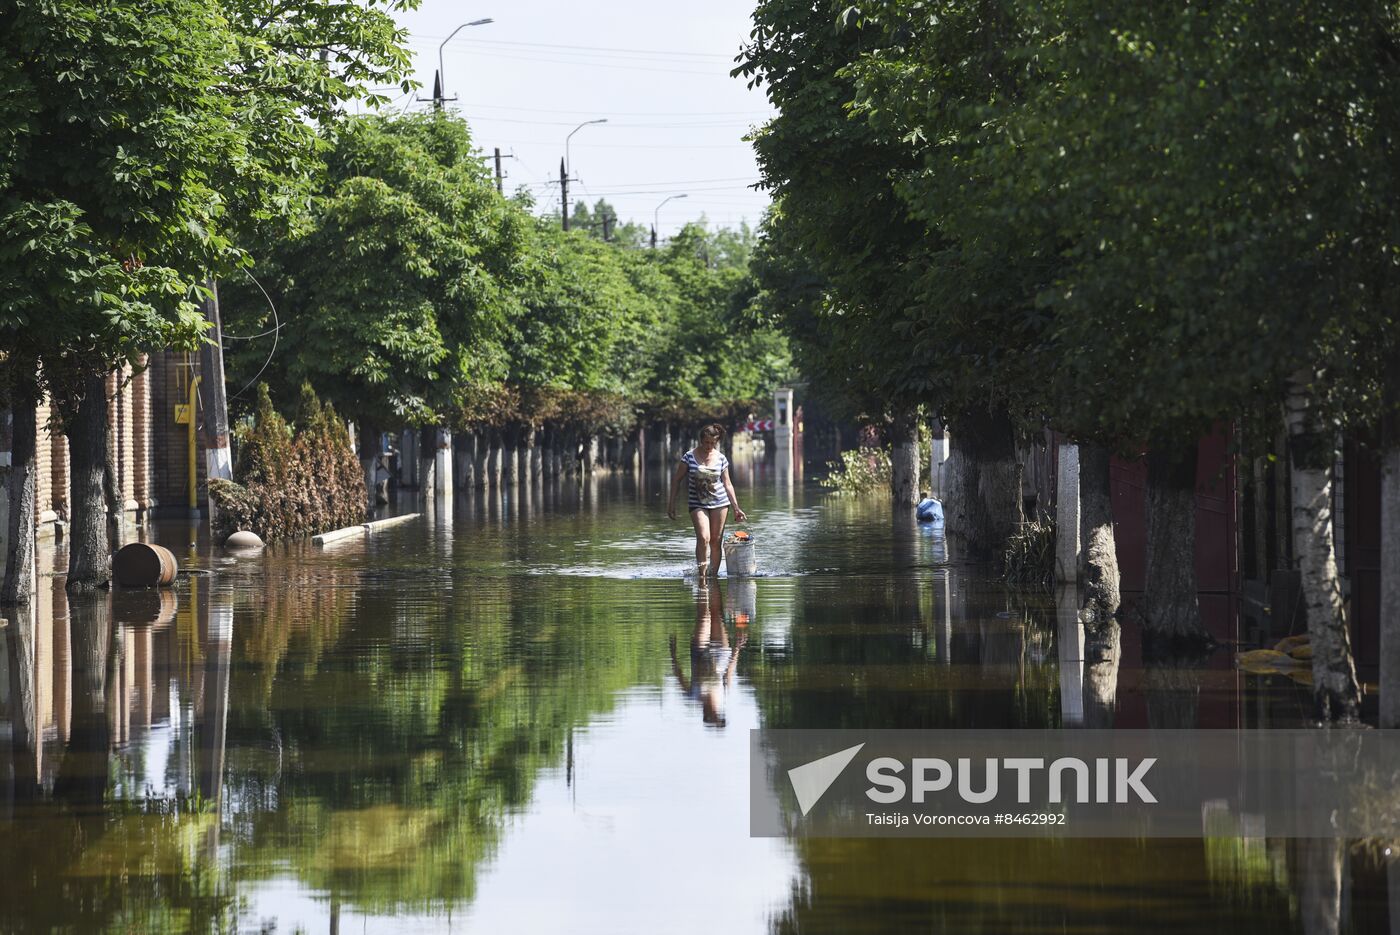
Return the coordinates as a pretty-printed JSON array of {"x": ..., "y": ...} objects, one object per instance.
[
  {"x": 1067, "y": 515},
  {"x": 782, "y": 419},
  {"x": 938, "y": 454},
  {"x": 427, "y": 463},
  {"x": 442, "y": 463},
  {"x": 1070, "y": 643}
]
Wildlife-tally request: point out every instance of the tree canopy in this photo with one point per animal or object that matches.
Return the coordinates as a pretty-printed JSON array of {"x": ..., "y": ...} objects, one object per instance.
[
  {"x": 1129, "y": 220},
  {"x": 138, "y": 142},
  {"x": 414, "y": 294}
]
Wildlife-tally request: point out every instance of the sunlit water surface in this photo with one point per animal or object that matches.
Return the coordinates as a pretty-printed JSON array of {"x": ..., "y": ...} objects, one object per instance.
[{"x": 518, "y": 715}]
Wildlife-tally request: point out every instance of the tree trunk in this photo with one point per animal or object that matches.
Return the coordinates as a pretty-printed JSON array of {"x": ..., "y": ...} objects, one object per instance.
[
  {"x": 593, "y": 454},
  {"x": 1392, "y": 886},
  {"x": 1320, "y": 893},
  {"x": 493, "y": 460},
  {"x": 427, "y": 461},
  {"x": 1311, "y": 455},
  {"x": 984, "y": 501},
  {"x": 509, "y": 455},
  {"x": 82, "y": 777},
  {"x": 1390, "y": 556},
  {"x": 465, "y": 461},
  {"x": 480, "y": 459},
  {"x": 1098, "y": 572},
  {"x": 1172, "y": 691},
  {"x": 904, "y": 458},
  {"x": 369, "y": 459},
  {"x": 89, "y": 554},
  {"x": 111, "y": 491},
  {"x": 1170, "y": 609},
  {"x": 23, "y": 709},
  {"x": 1102, "y": 653},
  {"x": 19, "y": 537},
  {"x": 529, "y": 455}
]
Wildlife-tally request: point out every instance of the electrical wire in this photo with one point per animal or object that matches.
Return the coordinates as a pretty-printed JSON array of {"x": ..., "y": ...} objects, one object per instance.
[
  {"x": 626, "y": 113},
  {"x": 716, "y": 125},
  {"x": 276, "y": 336},
  {"x": 586, "y": 48},
  {"x": 587, "y": 64}
]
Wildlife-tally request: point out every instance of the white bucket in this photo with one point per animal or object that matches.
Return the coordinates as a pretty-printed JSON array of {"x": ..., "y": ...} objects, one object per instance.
[{"x": 739, "y": 557}]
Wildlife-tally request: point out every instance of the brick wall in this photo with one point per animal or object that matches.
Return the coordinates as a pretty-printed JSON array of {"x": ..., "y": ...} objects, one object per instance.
[
  {"x": 169, "y": 381},
  {"x": 150, "y": 451}
]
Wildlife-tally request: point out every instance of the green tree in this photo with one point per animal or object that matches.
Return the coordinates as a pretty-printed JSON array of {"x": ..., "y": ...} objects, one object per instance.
[
  {"x": 836, "y": 182},
  {"x": 1216, "y": 187},
  {"x": 137, "y": 142},
  {"x": 396, "y": 295}
]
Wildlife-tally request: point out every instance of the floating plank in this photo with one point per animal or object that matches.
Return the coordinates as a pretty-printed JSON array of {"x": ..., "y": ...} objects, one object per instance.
[
  {"x": 335, "y": 535},
  {"x": 391, "y": 521}
]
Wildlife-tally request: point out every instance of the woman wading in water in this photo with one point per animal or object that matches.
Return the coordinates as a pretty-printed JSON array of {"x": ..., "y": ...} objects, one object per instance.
[{"x": 709, "y": 494}]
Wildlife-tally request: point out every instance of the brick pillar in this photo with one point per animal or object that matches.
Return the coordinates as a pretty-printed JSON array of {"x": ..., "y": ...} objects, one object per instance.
[
  {"x": 126, "y": 452},
  {"x": 141, "y": 435},
  {"x": 45, "y": 481}
]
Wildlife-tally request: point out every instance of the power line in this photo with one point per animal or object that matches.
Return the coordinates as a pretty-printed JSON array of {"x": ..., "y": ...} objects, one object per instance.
[
  {"x": 626, "y": 188},
  {"x": 733, "y": 178},
  {"x": 715, "y": 125},
  {"x": 626, "y": 113},
  {"x": 587, "y": 48},
  {"x": 590, "y": 64},
  {"x": 668, "y": 190},
  {"x": 729, "y": 146}
]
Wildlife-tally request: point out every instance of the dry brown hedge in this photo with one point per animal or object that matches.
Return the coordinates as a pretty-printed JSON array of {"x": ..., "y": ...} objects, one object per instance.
[{"x": 293, "y": 481}]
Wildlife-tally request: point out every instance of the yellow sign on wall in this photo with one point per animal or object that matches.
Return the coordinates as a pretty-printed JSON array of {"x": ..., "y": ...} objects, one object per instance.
[{"x": 182, "y": 413}]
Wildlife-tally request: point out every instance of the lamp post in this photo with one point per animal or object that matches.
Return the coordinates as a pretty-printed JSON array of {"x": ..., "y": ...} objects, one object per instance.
[
  {"x": 566, "y": 167},
  {"x": 440, "y": 85},
  {"x": 656, "y": 217}
]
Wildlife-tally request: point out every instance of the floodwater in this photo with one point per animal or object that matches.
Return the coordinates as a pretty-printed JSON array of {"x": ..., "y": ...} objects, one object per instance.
[{"x": 517, "y": 715}]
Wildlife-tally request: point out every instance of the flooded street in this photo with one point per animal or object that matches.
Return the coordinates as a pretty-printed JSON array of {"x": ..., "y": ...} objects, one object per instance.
[{"x": 519, "y": 716}]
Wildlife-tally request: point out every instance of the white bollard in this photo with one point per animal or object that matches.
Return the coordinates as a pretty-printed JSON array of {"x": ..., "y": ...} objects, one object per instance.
[{"x": 1067, "y": 515}]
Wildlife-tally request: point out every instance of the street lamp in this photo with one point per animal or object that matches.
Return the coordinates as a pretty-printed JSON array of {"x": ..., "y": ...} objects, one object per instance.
[
  {"x": 440, "y": 91},
  {"x": 569, "y": 166},
  {"x": 656, "y": 217},
  {"x": 566, "y": 168}
]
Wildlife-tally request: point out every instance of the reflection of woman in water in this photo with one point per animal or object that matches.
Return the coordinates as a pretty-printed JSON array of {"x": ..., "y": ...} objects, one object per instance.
[
  {"x": 712, "y": 661},
  {"x": 709, "y": 493}
]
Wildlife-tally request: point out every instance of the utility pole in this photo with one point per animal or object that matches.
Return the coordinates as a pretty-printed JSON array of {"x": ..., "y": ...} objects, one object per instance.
[
  {"x": 564, "y": 191},
  {"x": 500, "y": 178},
  {"x": 608, "y": 221},
  {"x": 218, "y": 461}
]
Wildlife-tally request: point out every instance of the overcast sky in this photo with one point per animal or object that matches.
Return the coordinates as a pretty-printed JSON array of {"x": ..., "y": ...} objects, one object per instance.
[{"x": 658, "y": 70}]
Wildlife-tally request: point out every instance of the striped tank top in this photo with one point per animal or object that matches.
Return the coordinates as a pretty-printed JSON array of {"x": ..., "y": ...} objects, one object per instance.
[{"x": 705, "y": 490}]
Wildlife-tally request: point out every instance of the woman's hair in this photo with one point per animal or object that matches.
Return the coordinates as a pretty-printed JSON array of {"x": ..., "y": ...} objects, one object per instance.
[{"x": 713, "y": 430}]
